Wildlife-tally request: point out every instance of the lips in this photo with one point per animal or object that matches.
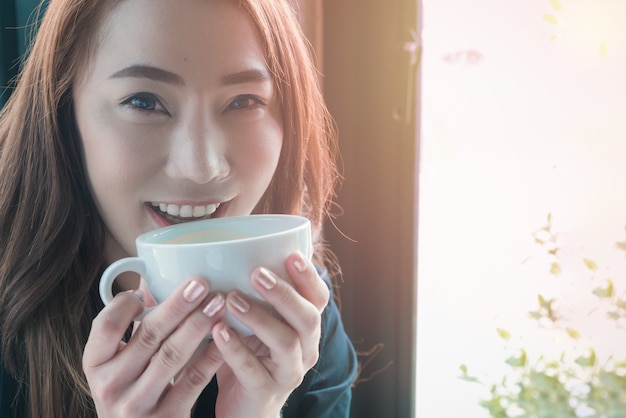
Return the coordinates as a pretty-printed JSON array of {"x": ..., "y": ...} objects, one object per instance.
[{"x": 184, "y": 213}]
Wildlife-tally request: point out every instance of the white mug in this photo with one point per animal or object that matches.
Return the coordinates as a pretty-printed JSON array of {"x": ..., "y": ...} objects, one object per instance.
[{"x": 224, "y": 251}]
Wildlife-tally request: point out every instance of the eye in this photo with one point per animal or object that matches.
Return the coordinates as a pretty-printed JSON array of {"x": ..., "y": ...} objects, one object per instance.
[
  {"x": 145, "y": 102},
  {"x": 246, "y": 101}
]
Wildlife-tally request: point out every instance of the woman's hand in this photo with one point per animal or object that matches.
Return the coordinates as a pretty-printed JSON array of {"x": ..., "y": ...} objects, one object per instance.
[
  {"x": 260, "y": 371},
  {"x": 136, "y": 379}
]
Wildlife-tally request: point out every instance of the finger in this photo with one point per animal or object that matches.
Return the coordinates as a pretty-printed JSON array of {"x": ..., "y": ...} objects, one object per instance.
[
  {"x": 248, "y": 369},
  {"x": 177, "y": 350},
  {"x": 196, "y": 375},
  {"x": 283, "y": 342},
  {"x": 303, "y": 316},
  {"x": 109, "y": 326},
  {"x": 307, "y": 281},
  {"x": 160, "y": 323}
]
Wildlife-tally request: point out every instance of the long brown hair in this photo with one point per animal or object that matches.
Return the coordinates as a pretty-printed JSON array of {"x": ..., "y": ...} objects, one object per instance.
[{"x": 51, "y": 235}]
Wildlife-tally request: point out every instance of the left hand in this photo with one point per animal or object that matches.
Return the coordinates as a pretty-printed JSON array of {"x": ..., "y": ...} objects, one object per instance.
[{"x": 260, "y": 372}]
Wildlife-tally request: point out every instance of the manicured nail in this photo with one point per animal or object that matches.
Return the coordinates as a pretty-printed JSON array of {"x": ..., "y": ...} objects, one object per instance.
[
  {"x": 239, "y": 303},
  {"x": 225, "y": 334},
  {"x": 265, "y": 278},
  {"x": 214, "y": 305},
  {"x": 300, "y": 263},
  {"x": 193, "y": 291}
]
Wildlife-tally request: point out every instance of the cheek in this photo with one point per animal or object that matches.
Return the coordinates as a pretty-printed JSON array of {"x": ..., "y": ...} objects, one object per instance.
[
  {"x": 261, "y": 157},
  {"x": 113, "y": 155}
]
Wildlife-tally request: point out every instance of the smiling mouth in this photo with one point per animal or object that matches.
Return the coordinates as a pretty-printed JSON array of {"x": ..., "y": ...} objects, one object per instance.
[{"x": 184, "y": 213}]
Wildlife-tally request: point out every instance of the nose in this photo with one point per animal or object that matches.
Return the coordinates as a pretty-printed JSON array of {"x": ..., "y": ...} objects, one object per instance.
[{"x": 198, "y": 153}]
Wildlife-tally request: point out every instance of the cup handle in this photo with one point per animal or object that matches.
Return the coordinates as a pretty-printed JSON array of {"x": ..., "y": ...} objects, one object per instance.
[{"x": 134, "y": 264}]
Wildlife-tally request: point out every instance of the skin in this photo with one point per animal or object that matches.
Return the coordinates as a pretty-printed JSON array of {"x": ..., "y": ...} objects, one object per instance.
[{"x": 188, "y": 115}]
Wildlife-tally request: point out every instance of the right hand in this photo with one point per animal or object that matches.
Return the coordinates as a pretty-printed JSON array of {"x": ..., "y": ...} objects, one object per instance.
[{"x": 156, "y": 373}]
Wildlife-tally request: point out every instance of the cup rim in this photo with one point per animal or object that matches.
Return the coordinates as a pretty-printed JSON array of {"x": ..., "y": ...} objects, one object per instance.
[{"x": 147, "y": 238}]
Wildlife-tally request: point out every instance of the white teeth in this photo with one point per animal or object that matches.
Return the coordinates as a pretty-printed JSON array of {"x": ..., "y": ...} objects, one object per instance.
[
  {"x": 186, "y": 211},
  {"x": 173, "y": 210},
  {"x": 211, "y": 208},
  {"x": 199, "y": 211}
]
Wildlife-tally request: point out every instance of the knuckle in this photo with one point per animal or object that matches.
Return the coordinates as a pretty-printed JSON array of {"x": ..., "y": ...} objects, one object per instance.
[
  {"x": 311, "y": 360},
  {"x": 130, "y": 409},
  {"x": 249, "y": 366},
  {"x": 325, "y": 299},
  {"x": 312, "y": 321},
  {"x": 293, "y": 379},
  {"x": 196, "y": 376},
  {"x": 287, "y": 296},
  {"x": 107, "y": 394},
  {"x": 169, "y": 355},
  {"x": 291, "y": 344},
  {"x": 104, "y": 323},
  {"x": 148, "y": 336}
]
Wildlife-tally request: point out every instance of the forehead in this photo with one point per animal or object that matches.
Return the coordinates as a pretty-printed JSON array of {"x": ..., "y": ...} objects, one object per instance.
[{"x": 185, "y": 34}]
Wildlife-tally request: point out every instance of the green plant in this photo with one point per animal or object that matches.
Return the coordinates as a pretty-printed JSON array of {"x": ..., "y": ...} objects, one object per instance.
[{"x": 577, "y": 383}]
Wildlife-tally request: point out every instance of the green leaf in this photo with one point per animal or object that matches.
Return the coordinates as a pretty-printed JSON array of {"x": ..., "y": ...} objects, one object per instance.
[
  {"x": 517, "y": 361},
  {"x": 613, "y": 315},
  {"x": 556, "y": 5},
  {"x": 573, "y": 333},
  {"x": 551, "y": 19},
  {"x": 621, "y": 245},
  {"x": 545, "y": 303},
  {"x": 465, "y": 376},
  {"x": 588, "y": 361},
  {"x": 604, "y": 292},
  {"x": 613, "y": 381},
  {"x": 504, "y": 334},
  {"x": 621, "y": 304},
  {"x": 555, "y": 269},
  {"x": 591, "y": 265}
]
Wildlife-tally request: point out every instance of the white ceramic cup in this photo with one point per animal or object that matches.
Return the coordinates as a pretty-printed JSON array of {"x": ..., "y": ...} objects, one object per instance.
[{"x": 224, "y": 251}]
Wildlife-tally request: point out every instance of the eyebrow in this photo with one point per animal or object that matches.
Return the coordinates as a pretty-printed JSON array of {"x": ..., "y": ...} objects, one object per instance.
[
  {"x": 158, "y": 74},
  {"x": 151, "y": 73},
  {"x": 247, "y": 76}
]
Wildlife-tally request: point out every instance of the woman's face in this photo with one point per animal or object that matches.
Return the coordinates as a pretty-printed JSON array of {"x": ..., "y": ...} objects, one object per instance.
[{"x": 178, "y": 116}]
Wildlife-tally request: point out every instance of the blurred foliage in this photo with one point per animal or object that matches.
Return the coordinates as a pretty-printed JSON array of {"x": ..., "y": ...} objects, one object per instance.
[
  {"x": 577, "y": 383},
  {"x": 558, "y": 17},
  {"x": 574, "y": 385}
]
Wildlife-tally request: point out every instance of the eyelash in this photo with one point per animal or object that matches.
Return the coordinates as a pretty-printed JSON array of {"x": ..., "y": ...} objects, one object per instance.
[
  {"x": 252, "y": 102},
  {"x": 154, "y": 104}
]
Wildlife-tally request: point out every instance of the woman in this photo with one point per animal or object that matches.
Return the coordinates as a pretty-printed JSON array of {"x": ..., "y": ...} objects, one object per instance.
[{"x": 134, "y": 114}]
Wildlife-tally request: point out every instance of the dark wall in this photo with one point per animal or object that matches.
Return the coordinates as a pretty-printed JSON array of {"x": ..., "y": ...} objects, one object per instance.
[
  {"x": 16, "y": 19},
  {"x": 370, "y": 86}
]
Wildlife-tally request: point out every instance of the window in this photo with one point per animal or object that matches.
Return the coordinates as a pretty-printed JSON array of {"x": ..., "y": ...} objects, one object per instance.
[{"x": 523, "y": 141}]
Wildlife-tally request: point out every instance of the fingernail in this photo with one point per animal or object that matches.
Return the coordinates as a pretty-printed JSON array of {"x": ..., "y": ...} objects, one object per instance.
[
  {"x": 193, "y": 291},
  {"x": 239, "y": 303},
  {"x": 265, "y": 278},
  {"x": 300, "y": 263},
  {"x": 225, "y": 334},
  {"x": 214, "y": 305}
]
